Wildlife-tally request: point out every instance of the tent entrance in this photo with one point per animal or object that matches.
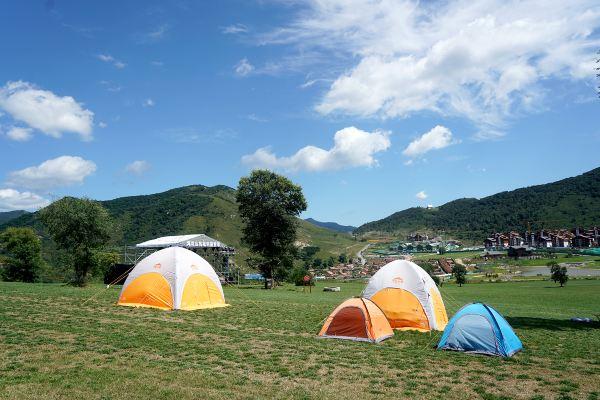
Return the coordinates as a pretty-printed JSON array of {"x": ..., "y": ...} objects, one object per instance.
[
  {"x": 148, "y": 290},
  {"x": 402, "y": 309},
  {"x": 473, "y": 333},
  {"x": 349, "y": 322},
  {"x": 200, "y": 292}
]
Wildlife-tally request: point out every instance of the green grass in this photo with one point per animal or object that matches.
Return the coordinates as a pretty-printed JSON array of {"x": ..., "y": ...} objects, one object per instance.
[{"x": 54, "y": 345}]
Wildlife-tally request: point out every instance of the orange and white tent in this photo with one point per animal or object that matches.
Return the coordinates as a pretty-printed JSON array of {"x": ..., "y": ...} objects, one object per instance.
[
  {"x": 173, "y": 279},
  {"x": 357, "y": 319},
  {"x": 408, "y": 297}
]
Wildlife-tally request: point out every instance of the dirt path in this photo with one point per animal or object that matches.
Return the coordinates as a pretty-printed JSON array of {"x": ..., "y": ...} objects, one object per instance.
[{"x": 363, "y": 261}]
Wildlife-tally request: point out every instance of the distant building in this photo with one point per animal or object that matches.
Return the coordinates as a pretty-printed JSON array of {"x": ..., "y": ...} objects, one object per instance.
[
  {"x": 417, "y": 237},
  {"x": 557, "y": 238},
  {"x": 519, "y": 251}
]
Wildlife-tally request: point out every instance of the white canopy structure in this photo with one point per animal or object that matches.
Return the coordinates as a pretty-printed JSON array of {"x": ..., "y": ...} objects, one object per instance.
[{"x": 195, "y": 241}]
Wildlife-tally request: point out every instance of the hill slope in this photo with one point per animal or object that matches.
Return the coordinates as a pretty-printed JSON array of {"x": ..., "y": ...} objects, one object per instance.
[
  {"x": 194, "y": 209},
  {"x": 565, "y": 203},
  {"x": 334, "y": 226},
  {"x": 10, "y": 215}
]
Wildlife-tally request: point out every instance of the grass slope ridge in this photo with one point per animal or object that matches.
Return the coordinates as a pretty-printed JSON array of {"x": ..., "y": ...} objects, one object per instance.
[
  {"x": 565, "y": 203},
  {"x": 334, "y": 226},
  {"x": 193, "y": 209}
]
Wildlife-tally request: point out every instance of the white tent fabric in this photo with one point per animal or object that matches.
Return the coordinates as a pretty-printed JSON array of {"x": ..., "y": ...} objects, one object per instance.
[
  {"x": 406, "y": 275},
  {"x": 176, "y": 265}
]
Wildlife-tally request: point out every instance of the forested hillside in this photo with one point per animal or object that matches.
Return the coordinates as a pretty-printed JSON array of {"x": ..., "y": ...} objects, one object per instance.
[
  {"x": 565, "y": 203},
  {"x": 193, "y": 209}
]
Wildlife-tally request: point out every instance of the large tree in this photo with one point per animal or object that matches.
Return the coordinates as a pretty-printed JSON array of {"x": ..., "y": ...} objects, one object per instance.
[
  {"x": 269, "y": 205},
  {"x": 558, "y": 273},
  {"x": 460, "y": 274},
  {"x": 23, "y": 250},
  {"x": 80, "y": 227}
]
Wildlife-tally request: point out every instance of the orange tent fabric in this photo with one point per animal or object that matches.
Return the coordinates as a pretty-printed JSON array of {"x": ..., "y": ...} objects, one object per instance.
[{"x": 357, "y": 319}]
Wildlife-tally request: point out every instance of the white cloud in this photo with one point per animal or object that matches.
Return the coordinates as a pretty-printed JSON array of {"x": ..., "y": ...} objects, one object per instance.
[
  {"x": 102, "y": 124},
  {"x": 243, "y": 67},
  {"x": 234, "y": 29},
  {"x": 107, "y": 58},
  {"x": 190, "y": 135},
  {"x": 45, "y": 111},
  {"x": 483, "y": 61},
  {"x": 421, "y": 195},
  {"x": 19, "y": 134},
  {"x": 157, "y": 33},
  {"x": 352, "y": 148},
  {"x": 437, "y": 138},
  {"x": 138, "y": 167},
  {"x": 58, "y": 172},
  {"x": 256, "y": 118},
  {"x": 157, "y": 63},
  {"x": 148, "y": 103},
  {"x": 11, "y": 199}
]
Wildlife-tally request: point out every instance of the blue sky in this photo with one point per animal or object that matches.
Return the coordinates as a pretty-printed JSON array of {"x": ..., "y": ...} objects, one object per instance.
[{"x": 372, "y": 107}]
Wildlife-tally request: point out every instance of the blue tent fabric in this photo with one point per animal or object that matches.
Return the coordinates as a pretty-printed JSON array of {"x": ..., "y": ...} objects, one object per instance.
[{"x": 478, "y": 328}]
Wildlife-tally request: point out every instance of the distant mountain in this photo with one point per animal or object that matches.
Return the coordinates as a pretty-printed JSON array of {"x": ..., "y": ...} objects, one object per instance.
[
  {"x": 332, "y": 225},
  {"x": 193, "y": 209},
  {"x": 10, "y": 215},
  {"x": 562, "y": 204}
]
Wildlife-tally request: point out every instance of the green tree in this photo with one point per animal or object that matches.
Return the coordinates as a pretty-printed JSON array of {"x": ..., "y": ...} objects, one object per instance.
[
  {"x": 460, "y": 274},
  {"x": 102, "y": 261},
  {"x": 557, "y": 273},
  {"x": 23, "y": 249},
  {"x": 308, "y": 252},
  {"x": 343, "y": 258},
  {"x": 330, "y": 262},
  {"x": 269, "y": 205},
  {"x": 79, "y": 227}
]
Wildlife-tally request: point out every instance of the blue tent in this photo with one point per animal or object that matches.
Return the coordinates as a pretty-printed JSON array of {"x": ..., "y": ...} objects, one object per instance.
[{"x": 478, "y": 328}]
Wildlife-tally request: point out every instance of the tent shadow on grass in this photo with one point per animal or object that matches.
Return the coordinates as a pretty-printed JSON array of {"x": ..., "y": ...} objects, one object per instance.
[{"x": 550, "y": 324}]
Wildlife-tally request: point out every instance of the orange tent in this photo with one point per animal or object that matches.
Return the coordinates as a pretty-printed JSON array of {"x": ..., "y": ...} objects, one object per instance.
[{"x": 357, "y": 319}]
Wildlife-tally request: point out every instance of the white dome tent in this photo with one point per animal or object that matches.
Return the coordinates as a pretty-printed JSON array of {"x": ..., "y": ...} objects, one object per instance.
[
  {"x": 408, "y": 297},
  {"x": 173, "y": 278}
]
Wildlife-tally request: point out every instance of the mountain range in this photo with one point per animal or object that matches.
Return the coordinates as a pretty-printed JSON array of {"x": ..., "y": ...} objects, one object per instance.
[
  {"x": 563, "y": 204},
  {"x": 10, "y": 215},
  {"x": 213, "y": 210},
  {"x": 334, "y": 226},
  {"x": 194, "y": 209}
]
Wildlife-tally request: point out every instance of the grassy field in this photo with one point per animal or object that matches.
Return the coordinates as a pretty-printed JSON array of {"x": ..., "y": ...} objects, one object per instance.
[{"x": 55, "y": 345}]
